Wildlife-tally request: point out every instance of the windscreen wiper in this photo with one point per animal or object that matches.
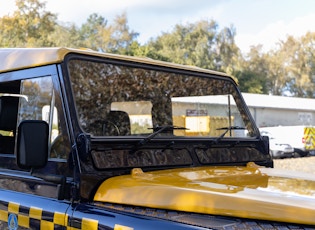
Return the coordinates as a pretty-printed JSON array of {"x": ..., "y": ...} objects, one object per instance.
[
  {"x": 157, "y": 130},
  {"x": 226, "y": 130}
]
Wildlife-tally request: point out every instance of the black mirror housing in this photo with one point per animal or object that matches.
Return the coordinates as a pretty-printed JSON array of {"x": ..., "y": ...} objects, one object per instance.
[{"x": 32, "y": 144}]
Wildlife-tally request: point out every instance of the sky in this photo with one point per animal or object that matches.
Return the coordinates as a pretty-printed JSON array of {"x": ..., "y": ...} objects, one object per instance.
[{"x": 264, "y": 22}]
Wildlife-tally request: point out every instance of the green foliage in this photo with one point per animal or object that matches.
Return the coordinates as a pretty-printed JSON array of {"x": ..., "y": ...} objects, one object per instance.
[
  {"x": 299, "y": 64},
  {"x": 252, "y": 73},
  {"x": 66, "y": 35},
  {"x": 98, "y": 35},
  {"x": 199, "y": 44},
  {"x": 289, "y": 69},
  {"x": 193, "y": 44},
  {"x": 29, "y": 26}
]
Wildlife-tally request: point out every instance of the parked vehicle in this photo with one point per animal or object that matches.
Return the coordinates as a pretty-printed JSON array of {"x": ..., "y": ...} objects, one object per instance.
[
  {"x": 278, "y": 147},
  {"x": 301, "y": 138},
  {"x": 91, "y": 140}
]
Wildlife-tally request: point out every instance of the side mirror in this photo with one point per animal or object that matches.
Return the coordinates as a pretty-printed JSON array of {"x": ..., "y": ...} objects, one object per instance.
[{"x": 32, "y": 144}]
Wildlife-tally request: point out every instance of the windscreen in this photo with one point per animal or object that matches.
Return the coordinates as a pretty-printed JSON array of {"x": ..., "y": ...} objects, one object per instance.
[{"x": 125, "y": 100}]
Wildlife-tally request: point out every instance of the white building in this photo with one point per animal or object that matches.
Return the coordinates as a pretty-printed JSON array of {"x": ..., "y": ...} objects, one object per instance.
[{"x": 270, "y": 110}]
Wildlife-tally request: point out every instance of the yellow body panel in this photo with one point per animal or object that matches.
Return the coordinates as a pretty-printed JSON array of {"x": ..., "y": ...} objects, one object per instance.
[
  {"x": 249, "y": 192},
  {"x": 22, "y": 58}
]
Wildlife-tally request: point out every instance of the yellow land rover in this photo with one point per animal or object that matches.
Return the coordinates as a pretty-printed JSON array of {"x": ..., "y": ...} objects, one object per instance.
[{"x": 92, "y": 140}]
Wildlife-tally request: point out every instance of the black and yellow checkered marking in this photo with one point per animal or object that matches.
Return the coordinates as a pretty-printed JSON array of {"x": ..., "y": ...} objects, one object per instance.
[
  {"x": 34, "y": 217},
  {"x": 83, "y": 223}
]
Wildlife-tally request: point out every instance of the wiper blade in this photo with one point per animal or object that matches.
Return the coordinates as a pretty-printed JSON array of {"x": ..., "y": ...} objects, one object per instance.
[
  {"x": 226, "y": 130},
  {"x": 157, "y": 130}
]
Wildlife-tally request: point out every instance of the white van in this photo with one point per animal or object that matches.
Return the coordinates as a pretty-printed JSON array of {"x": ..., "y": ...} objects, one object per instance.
[{"x": 301, "y": 138}]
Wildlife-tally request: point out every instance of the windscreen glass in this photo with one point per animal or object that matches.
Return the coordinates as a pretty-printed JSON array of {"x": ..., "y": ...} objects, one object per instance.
[{"x": 121, "y": 100}]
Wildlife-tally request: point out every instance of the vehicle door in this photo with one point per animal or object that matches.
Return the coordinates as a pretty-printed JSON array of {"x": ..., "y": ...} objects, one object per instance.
[{"x": 28, "y": 201}]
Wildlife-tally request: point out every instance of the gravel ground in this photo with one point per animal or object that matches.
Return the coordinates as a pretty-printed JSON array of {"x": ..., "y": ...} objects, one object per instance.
[{"x": 303, "y": 164}]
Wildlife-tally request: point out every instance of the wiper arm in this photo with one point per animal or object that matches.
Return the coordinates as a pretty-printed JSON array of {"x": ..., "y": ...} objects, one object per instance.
[
  {"x": 157, "y": 130},
  {"x": 226, "y": 130}
]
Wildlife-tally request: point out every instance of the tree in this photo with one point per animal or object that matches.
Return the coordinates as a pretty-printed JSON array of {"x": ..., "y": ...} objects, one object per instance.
[
  {"x": 29, "y": 26},
  {"x": 121, "y": 36},
  {"x": 286, "y": 70},
  {"x": 32, "y": 26},
  {"x": 228, "y": 54},
  {"x": 199, "y": 44},
  {"x": 300, "y": 64},
  {"x": 97, "y": 34},
  {"x": 253, "y": 71},
  {"x": 66, "y": 35},
  {"x": 291, "y": 67},
  {"x": 94, "y": 32},
  {"x": 188, "y": 44}
]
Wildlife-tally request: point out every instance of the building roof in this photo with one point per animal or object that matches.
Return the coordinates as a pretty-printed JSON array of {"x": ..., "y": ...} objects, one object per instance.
[
  {"x": 258, "y": 101},
  {"x": 20, "y": 58},
  {"x": 279, "y": 102}
]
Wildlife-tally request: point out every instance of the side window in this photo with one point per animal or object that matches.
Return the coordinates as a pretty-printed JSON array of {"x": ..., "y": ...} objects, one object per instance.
[
  {"x": 32, "y": 99},
  {"x": 40, "y": 102},
  {"x": 37, "y": 94}
]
